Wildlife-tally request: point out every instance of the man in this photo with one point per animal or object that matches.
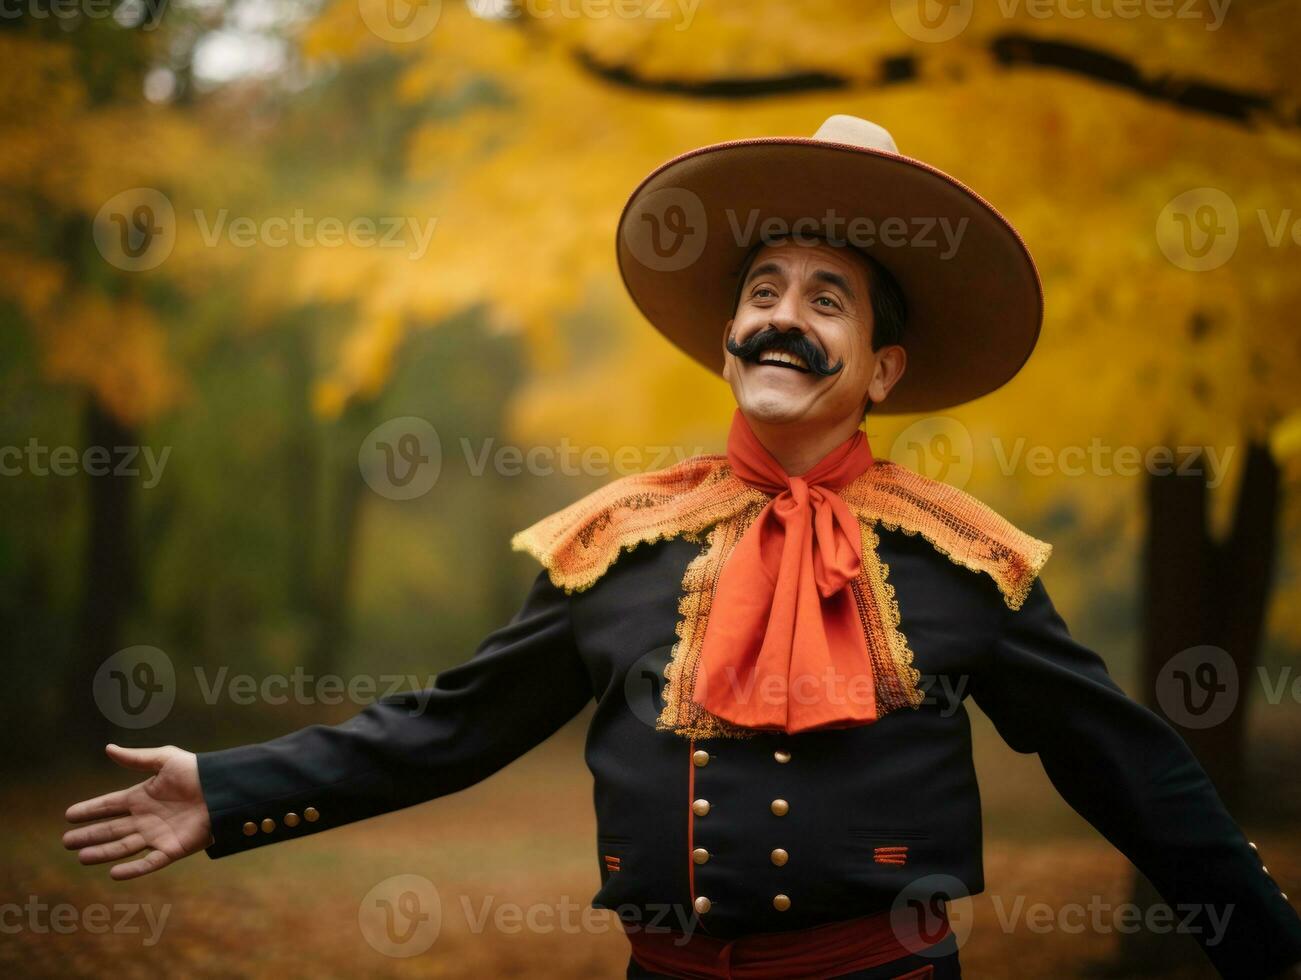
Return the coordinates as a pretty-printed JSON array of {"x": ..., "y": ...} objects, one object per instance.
[{"x": 779, "y": 639}]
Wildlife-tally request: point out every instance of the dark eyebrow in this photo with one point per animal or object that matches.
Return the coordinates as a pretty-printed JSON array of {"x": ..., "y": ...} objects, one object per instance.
[
  {"x": 835, "y": 279},
  {"x": 822, "y": 275},
  {"x": 767, "y": 268}
]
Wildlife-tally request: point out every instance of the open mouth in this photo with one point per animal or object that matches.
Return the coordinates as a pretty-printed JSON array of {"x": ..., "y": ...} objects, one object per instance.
[{"x": 783, "y": 359}]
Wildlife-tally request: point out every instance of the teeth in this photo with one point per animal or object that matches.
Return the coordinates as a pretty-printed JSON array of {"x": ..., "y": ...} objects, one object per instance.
[{"x": 782, "y": 357}]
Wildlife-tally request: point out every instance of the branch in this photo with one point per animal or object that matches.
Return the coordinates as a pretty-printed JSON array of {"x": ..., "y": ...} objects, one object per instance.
[
  {"x": 753, "y": 87},
  {"x": 1011, "y": 50},
  {"x": 1007, "y": 50}
]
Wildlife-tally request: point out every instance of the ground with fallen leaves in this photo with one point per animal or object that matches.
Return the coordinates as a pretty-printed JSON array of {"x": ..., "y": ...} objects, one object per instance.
[{"x": 522, "y": 838}]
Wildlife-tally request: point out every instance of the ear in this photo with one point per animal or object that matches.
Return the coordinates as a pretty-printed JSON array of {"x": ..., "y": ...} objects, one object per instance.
[{"x": 890, "y": 367}]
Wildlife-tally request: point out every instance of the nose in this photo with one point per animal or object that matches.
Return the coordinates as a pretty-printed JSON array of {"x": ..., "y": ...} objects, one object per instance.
[{"x": 783, "y": 316}]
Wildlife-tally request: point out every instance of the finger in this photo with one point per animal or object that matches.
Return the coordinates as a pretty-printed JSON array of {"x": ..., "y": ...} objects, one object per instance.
[
  {"x": 100, "y": 807},
  {"x": 152, "y": 861},
  {"x": 142, "y": 760},
  {"x": 113, "y": 851},
  {"x": 97, "y": 833}
]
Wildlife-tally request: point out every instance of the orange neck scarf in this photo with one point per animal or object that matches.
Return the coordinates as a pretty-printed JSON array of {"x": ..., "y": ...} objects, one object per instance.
[{"x": 784, "y": 649}]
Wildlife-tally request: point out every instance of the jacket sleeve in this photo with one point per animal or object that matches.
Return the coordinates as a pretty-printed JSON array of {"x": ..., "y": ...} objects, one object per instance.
[
  {"x": 523, "y": 683},
  {"x": 1127, "y": 771}
]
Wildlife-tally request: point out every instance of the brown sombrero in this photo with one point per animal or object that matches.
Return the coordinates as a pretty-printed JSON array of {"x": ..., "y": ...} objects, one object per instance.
[{"x": 975, "y": 302}]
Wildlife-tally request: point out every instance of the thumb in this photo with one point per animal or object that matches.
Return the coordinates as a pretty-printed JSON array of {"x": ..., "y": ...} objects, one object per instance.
[{"x": 142, "y": 760}]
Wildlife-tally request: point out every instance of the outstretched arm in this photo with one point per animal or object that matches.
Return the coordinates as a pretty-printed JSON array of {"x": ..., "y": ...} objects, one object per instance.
[
  {"x": 523, "y": 683},
  {"x": 1127, "y": 772}
]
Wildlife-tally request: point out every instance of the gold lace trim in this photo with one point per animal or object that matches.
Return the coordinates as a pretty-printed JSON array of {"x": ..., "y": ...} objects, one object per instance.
[
  {"x": 681, "y": 714},
  {"x": 700, "y": 499},
  {"x": 894, "y": 676},
  {"x": 580, "y": 542},
  {"x": 955, "y": 523},
  {"x": 878, "y": 609}
]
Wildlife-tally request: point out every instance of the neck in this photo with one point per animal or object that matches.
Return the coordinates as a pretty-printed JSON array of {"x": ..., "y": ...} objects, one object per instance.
[{"x": 798, "y": 447}]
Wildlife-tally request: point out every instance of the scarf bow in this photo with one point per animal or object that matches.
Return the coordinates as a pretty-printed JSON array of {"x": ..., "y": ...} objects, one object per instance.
[{"x": 784, "y": 648}]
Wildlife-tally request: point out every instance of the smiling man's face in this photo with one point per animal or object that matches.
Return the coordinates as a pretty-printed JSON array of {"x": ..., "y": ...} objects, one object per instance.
[{"x": 802, "y": 332}]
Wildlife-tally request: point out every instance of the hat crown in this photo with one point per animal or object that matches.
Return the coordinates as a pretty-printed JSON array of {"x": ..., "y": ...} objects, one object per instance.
[{"x": 841, "y": 128}]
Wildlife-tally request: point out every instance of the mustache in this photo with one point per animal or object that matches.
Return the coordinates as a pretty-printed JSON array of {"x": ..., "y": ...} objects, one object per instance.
[{"x": 790, "y": 341}]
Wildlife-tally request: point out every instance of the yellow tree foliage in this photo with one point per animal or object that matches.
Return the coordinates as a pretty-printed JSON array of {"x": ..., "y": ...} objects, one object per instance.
[
  {"x": 1137, "y": 350},
  {"x": 65, "y": 158},
  {"x": 527, "y": 190}
]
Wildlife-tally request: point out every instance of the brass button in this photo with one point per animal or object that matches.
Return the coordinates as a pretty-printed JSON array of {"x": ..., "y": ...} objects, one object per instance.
[
  {"x": 250, "y": 829},
  {"x": 291, "y": 820},
  {"x": 700, "y": 757},
  {"x": 1252, "y": 845},
  {"x": 700, "y": 855},
  {"x": 781, "y": 755},
  {"x": 268, "y": 825},
  {"x": 311, "y": 815},
  {"x": 779, "y": 856},
  {"x": 781, "y": 902},
  {"x": 700, "y": 807},
  {"x": 780, "y": 807},
  {"x": 1264, "y": 869},
  {"x": 701, "y": 904}
]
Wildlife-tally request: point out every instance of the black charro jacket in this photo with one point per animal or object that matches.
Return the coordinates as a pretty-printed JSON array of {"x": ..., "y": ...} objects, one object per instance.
[{"x": 690, "y": 811}]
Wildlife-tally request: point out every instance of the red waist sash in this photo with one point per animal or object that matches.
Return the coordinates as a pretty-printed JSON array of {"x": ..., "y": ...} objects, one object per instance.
[{"x": 817, "y": 953}]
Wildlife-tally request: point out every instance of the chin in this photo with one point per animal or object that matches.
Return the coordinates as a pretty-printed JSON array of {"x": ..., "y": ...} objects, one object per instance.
[{"x": 773, "y": 406}]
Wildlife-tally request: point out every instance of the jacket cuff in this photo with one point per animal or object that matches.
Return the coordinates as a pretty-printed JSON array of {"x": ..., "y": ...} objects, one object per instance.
[{"x": 244, "y": 819}]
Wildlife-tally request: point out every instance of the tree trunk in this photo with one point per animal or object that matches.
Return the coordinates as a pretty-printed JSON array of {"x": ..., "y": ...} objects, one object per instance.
[
  {"x": 108, "y": 583},
  {"x": 302, "y": 474},
  {"x": 1202, "y": 593},
  {"x": 339, "y": 549}
]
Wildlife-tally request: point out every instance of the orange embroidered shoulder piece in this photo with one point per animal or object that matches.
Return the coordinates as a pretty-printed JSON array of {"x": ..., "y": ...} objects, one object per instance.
[
  {"x": 700, "y": 499},
  {"x": 956, "y": 524},
  {"x": 579, "y": 543}
]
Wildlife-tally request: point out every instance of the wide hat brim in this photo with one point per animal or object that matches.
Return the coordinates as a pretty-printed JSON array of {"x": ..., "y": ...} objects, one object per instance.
[{"x": 974, "y": 309}]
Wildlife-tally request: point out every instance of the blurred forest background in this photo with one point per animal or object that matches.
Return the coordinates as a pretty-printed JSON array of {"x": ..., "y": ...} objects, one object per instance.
[{"x": 512, "y": 133}]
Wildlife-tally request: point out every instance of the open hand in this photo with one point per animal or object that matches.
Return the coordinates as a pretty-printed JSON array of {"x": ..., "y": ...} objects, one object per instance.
[{"x": 165, "y": 814}]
